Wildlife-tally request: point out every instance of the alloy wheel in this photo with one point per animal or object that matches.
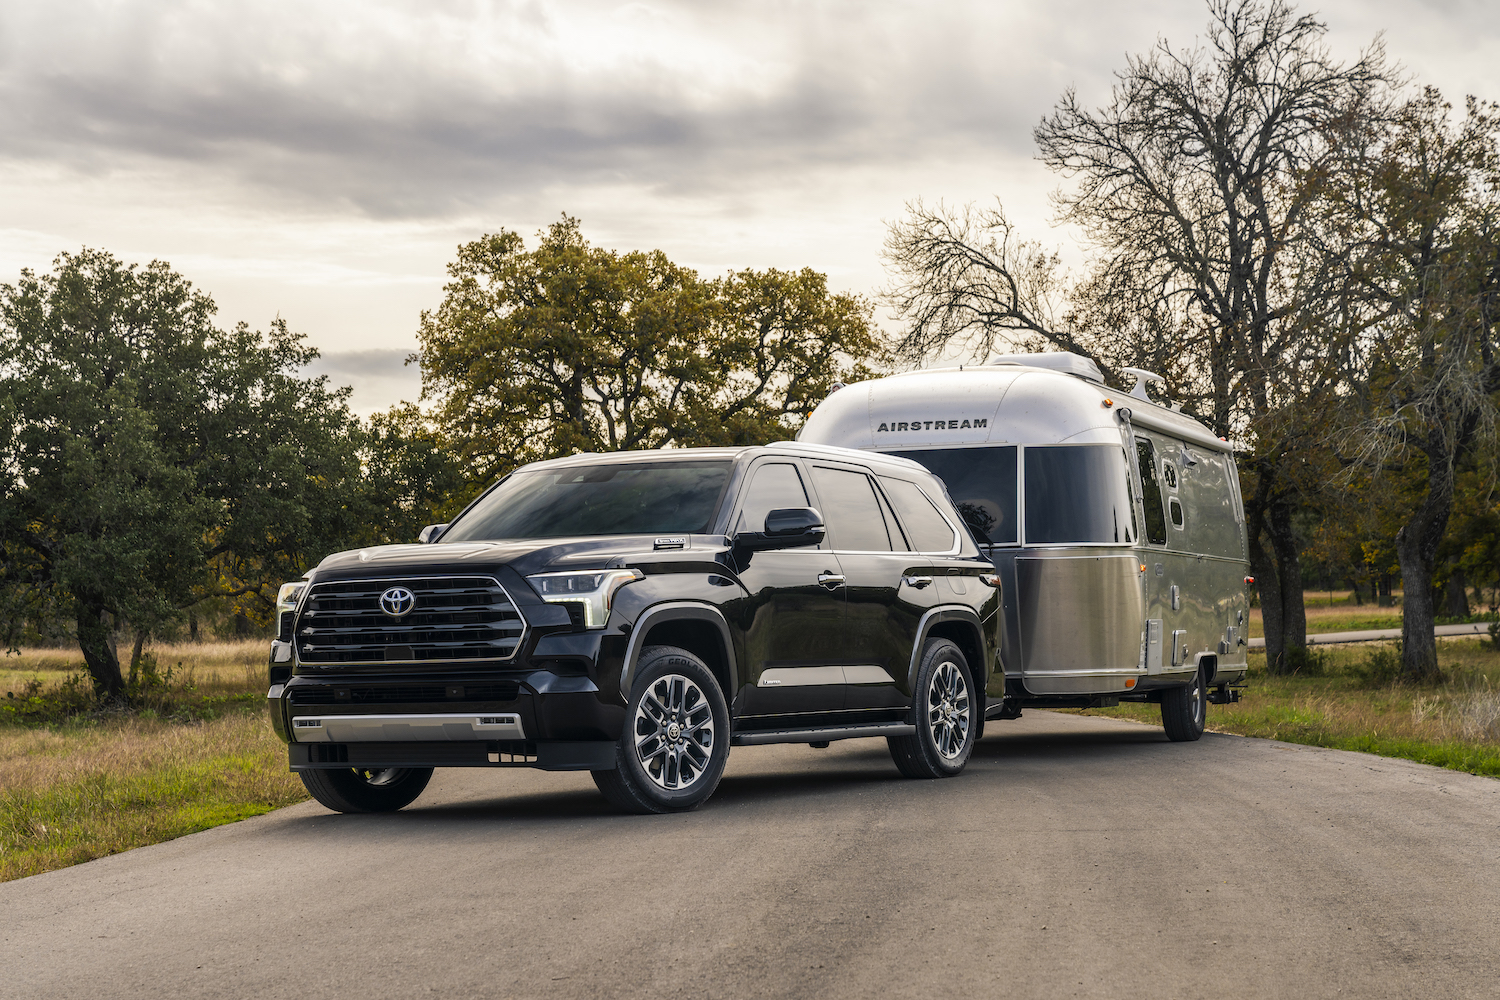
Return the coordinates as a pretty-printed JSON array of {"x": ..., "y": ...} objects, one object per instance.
[
  {"x": 674, "y": 732},
  {"x": 948, "y": 709}
]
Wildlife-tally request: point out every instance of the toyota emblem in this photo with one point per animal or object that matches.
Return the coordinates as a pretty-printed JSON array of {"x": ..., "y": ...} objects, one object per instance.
[{"x": 397, "y": 602}]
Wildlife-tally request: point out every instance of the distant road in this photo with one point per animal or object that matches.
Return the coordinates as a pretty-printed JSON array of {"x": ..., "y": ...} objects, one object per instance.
[
  {"x": 1076, "y": 857},
  {"x": 1321, "y": 638}
]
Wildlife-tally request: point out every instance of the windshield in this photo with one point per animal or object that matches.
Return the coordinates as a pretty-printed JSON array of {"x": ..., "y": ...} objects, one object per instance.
[
  {"x": 1078, "y": 493},
  {"x": 982, "y": 485},
  {"x": 635, "y": 498}
]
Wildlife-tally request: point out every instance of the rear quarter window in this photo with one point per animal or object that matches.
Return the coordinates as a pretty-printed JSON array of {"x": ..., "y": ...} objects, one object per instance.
[{"x": 926, "y": 528}]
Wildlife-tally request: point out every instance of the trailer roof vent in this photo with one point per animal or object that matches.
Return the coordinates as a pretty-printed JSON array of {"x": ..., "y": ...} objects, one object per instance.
[{"x": 1058, "y": 361}]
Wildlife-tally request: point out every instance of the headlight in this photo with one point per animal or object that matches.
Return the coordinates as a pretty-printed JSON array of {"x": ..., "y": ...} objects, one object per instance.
[
  {"x": 594, "y": 590},
  {"x": 286, "y": 597},
  {"x": 286, "y": 611}
]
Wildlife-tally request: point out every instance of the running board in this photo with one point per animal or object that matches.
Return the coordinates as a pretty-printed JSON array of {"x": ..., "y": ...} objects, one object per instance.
[{"x": 822, "y": 734}]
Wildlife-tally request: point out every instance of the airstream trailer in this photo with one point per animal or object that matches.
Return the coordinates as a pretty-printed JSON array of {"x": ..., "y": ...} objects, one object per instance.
[{"x": 1115, "y": 524}]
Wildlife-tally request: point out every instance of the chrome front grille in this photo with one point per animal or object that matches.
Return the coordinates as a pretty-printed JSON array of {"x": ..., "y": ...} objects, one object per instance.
[{"x": 453, "y": 619}]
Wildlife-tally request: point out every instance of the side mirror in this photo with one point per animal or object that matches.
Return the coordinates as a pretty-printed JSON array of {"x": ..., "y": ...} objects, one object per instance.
[
  {"x": 430, "y": 533},
  {"x": 786, "y": 528}
]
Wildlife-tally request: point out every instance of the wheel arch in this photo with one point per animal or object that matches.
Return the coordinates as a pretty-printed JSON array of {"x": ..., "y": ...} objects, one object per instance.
[
  {"x": 960, "y": 626},
  {"x": 698, "y": 628}
]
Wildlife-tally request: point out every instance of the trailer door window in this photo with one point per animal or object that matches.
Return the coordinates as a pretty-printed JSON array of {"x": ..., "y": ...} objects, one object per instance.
[
  {"x": 982, "y": 485},
  {"x": 1077, "y": 493},
  {"x": 1156, "y": 518}
]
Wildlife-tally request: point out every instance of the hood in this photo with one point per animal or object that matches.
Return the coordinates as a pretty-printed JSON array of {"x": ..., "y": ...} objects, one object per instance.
[{"x": 525, "y": 556}]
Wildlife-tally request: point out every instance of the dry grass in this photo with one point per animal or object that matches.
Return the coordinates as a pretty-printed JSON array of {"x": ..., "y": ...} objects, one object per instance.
[
  {"x": 216, "y": 668},
  {"x": 1352, "y": 705},
  {"x": 99, "y": 784}
]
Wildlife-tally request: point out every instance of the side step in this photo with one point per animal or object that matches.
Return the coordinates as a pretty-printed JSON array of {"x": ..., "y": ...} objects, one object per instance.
[{"x": 821, "y": 734}]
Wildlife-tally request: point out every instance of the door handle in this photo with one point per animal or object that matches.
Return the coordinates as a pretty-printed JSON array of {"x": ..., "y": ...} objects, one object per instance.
[
  {"x": 917, "y": 582},
  {"x": 831, "y": 580}
]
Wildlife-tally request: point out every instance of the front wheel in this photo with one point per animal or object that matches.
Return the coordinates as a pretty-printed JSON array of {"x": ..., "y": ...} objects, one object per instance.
[
  {"x": 676, "y": 739},
  {"x": 947, "y": 716},
  {"x": 367, "y": 790},
  {"x": 1184, "y": 710}
]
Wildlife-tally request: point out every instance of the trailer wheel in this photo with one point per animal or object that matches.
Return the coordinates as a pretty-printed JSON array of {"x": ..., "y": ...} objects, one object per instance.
[
  {"x": 366, "y": 790},
  {"x": 945, "y": 708},
  {"x": 1184, "y": 710}
]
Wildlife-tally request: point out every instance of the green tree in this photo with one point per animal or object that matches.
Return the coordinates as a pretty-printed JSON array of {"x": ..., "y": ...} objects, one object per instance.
[
  {"x": 570, "y": 347},
  {"x": 1420, "y": 199},
  {"x": 150, "y": 459}
]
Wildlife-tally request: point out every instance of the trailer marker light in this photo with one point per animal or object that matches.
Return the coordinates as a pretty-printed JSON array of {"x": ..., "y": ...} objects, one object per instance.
[
  {"x": 1129, "y": 683},
  {"x": 1109, "y": 402},
  {"x": 1143, "y": 567},
  {"x": 1249, "y": 580}
]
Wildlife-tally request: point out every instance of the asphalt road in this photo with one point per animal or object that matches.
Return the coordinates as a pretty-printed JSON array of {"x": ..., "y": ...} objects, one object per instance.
[{"x": 1075, "y": 857}]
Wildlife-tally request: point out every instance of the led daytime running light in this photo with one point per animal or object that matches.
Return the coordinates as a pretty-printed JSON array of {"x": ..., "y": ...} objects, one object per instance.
[{"x": 594, "y": 589}]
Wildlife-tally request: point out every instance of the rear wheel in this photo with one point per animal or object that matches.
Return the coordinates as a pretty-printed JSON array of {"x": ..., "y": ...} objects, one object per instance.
[
  {"x": 1184, "y": 710},
  {"x": 676, "y": 738},
  {"x": 946, "y": 711},
  {"x": 367, "y": 790}
]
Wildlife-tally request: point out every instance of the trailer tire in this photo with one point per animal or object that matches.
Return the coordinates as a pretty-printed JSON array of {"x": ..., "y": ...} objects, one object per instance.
[
  {"x": 945, "y": 705},
  {"x": 1184, "y": 710}
]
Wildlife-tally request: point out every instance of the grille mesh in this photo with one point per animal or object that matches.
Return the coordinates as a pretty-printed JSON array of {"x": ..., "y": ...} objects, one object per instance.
[{"x": 454, "y": 618}]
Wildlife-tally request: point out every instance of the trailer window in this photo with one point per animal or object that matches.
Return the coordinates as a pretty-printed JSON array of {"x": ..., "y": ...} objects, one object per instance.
[
  {"x": 1156, "y": 518},
  {"x": 1077, "y": 494},
  {"x": 982, "y": 485}
]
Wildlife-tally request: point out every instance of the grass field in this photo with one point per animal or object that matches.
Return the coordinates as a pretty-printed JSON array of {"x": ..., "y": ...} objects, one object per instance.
[
  {"x": 1353, "y": 704},
  {"x": 96, "y": 784}
]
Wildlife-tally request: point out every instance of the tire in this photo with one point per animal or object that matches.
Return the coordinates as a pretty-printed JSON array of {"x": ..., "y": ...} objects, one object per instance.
[
  {"x": 945, "y": 707},
  {"x": 366, "y": 790},
  {"x": 1184, "y": 710},
  {"x": 676, "y": 740}
]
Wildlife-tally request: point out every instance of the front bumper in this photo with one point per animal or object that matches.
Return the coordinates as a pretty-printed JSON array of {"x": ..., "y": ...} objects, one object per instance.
[{"x": 554, "y": 755}]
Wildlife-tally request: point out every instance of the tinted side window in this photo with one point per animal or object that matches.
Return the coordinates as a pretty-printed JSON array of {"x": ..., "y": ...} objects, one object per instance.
[
  {"x": 982, "y": 483},
  {"x": 773, "y": 486},
  {"x": 928, "y": 530},
  {"x": 851, "y": 511},
  {"x": 1156, "y": 517}
]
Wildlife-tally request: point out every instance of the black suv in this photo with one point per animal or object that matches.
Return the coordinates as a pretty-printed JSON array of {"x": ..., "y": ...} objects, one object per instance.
[{"x": 635, "y": 615}]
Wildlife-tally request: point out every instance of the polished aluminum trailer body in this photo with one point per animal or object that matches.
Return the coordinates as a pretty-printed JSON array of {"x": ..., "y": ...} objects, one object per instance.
[{"x": 1116, "y": 524}]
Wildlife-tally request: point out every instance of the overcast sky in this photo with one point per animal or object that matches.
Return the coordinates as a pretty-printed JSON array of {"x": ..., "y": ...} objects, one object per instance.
[{"x": 322, "y": 160}]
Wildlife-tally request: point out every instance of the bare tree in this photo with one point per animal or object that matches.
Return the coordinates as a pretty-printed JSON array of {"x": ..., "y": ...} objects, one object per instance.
[{"x": 1194, "y": 184}]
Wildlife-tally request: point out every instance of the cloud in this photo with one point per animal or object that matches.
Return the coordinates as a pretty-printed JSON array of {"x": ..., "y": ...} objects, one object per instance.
[
  {"x": 379, "y": 377},
  {"x": 398, "y": 109}
]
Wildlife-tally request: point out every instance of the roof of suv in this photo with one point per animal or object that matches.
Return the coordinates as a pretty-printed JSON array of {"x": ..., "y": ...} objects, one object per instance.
[{"x": 731, "y": 454}]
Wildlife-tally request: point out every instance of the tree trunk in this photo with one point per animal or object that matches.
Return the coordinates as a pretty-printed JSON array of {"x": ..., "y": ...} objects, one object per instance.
[
  {"x": 1263, "y": 568},
  {"x": 1416, "y": 548},
  {"x": 1456, "y": 599},
  {"x": 1293, "y": 611},
  {"x": 96, "y": 638},
  {"x": 135, "y": 657}
]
